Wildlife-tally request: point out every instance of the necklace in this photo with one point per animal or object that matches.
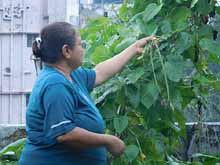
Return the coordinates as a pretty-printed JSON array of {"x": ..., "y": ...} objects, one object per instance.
[{"x": 68, "y": 77}]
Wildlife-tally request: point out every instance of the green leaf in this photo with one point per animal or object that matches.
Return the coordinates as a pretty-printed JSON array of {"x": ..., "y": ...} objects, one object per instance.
[
  {"x": 139, "y": 5},
  {"x": 181, "y": 1},
  {"x": 193, "y": 3},
  {"x": 97, "y": 22},
  {"x": 109, "y": 110},
  {"x": 205, "y": 31},
  {"x": 179, "y": 17},
  {"x": 149, "y": 28},
  {"x": 149, "y": 94},
  {"x": 131, "y": 152},
  {"x": 175, "y": 67},
  {"x": 133, "y": 95},
  {"x": 217, "y": 9},
  {"x": 206, "y": 157},
  {"x": 127, "y": 32},
  {"x": 136, "y": 17},
  {"x": 215, "y": 85},
  {"x": 211, "y": 46},
  {"x": 120, "y": 123},
  {"x": 135, "y": 75},
  {"x": 176, "y": 98},
  {"x": 94, "y": 26},
  {"x": 124, "y": 44},
  {"x": 15, "y": 148},
  {"x": 151, "y": 11},
  {"x": 159, "y": 146},
  {"x": 204, "y": 7},
  {"x": 180, "y": 14},
  {"x": 183, "y": 42},
  {"x": 180, "y": 119},
  {"x": 112, "y": 40},
  {"x": 201, "y": 79},
  {"x": 166, "y": 27},
  {"x": 100, "y": 54},
  {"x": 123, "y": 12}
]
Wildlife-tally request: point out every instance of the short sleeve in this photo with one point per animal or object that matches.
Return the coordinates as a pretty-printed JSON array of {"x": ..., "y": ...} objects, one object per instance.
[
  {"x": 59, "y": 105},
  {"x": 88, "y": 76}
]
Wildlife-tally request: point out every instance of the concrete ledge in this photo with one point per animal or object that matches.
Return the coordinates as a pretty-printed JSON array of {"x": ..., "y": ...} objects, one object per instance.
[
  {"x": 10, "y": 133},
  {"x": 201, "y": 138}
]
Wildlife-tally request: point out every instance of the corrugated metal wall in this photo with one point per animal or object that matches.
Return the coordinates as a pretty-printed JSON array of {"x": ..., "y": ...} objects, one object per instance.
[{"x": 20, "y": 22}]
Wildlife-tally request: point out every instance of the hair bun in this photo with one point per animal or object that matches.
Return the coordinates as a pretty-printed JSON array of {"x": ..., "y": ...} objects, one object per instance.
[{"x": 36, "y": 47}]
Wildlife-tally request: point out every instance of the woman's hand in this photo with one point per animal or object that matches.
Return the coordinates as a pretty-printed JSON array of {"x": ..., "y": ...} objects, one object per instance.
[
  {"x": 138, "y": 47},
  {"x": 107, "y": 69},
  {"x": 114, "y": 145}
]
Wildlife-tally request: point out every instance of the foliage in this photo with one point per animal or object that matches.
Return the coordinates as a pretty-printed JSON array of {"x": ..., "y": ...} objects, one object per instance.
[
  {"x": 207, "y": 159},
  {"x": 12, "y": 152},
  {"x": 144, "y": 104}
]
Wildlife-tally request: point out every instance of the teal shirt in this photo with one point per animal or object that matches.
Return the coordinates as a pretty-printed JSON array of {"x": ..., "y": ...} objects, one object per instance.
[{"x": 57, "y": 106}]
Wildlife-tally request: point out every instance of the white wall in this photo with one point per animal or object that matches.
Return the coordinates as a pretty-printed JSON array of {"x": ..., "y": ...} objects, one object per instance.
[
  {"x": 17, "y": 74},
  {"x": 20, "y": 19},
  {"x": 63, "y": 10}
]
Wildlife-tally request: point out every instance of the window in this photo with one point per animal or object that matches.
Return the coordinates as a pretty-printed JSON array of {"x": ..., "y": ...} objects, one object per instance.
[
  {"x": 108, "y": 1},
  {"x": 30, "y": 39},
  {"x": 27, "y": 98}
]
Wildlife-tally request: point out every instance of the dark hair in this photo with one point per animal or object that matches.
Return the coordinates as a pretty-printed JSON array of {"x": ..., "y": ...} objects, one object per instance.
[{"x": 52, "y": 39}]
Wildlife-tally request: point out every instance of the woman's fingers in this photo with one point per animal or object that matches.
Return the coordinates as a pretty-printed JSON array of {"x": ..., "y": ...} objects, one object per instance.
[
  {"x": 139, "y": 45},
  {"x": 143, "y": 41},
  {"x": 140, "y": 50}
]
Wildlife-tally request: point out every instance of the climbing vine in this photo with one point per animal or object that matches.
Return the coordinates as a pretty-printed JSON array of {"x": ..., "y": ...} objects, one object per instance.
[{"x": 144, "y": 104}]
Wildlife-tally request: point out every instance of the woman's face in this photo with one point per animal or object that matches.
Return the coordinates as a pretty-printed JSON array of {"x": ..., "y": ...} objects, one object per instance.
[{"x": 76, "y": 54}]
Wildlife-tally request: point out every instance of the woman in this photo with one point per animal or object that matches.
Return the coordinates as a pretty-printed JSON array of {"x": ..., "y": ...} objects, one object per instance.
[{"x": 63, "y": 125}]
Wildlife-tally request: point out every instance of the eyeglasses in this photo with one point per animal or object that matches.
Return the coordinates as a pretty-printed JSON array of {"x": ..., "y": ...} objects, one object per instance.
[{"x": 84, "y": 44}]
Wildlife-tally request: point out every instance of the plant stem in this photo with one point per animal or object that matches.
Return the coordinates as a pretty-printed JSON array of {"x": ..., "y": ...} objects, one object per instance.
[
  {"x": 138, "y": 143},
  {"x": 164, "y": 72},
  {"x": 152, "y": 64}
]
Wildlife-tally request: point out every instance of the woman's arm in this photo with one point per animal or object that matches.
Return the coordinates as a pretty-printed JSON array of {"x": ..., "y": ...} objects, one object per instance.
[
  {"x": 107, "y": 69},
  {"x": 80, "y": 138}
]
